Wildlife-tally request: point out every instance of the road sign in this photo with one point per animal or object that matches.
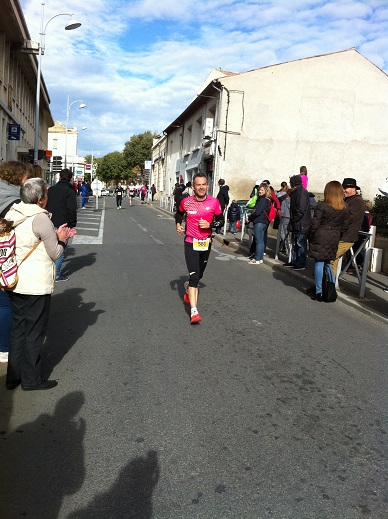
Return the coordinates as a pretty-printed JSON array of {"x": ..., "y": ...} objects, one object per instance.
[{"x": 96, "y": 186}]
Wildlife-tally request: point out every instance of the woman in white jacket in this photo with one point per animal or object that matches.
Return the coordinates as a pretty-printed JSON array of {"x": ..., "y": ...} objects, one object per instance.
[{"x": 30, "y": 299}]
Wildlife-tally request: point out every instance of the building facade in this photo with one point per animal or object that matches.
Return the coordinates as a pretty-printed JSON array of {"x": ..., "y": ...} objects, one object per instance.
[
  {"x": 61, "y": 149},
  {"x": 18, "y": 81},
  {"x": 326, "y": 112}
]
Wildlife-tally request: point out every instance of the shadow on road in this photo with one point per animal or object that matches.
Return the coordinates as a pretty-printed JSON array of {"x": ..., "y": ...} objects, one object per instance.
[
  {"x": 43, "y": 461},
  {"x": 70, "y": 317},
  {"x": 131, "y": 494},
  {"x": 74, "y": 262}
]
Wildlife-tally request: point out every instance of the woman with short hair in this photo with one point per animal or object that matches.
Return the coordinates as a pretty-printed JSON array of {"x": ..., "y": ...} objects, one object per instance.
[{"x": 30, "y": 298}]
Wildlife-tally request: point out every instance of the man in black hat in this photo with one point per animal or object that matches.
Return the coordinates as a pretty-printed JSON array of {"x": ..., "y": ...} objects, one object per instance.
[{"x": 356, "y": 210}]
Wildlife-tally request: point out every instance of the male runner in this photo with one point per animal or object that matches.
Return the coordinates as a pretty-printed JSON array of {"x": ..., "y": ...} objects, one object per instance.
[
  {"x": 200, "y": 209},
  {"x": 119, "y": 191}
]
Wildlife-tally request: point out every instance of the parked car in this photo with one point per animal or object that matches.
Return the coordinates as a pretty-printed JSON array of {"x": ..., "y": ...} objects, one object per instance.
[{"x": 104, "y": 191}]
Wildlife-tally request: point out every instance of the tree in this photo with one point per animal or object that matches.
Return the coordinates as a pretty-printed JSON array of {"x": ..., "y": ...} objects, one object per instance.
[
  {"x": 137, "y": 150},
  {"x": 112, "y": 168}
]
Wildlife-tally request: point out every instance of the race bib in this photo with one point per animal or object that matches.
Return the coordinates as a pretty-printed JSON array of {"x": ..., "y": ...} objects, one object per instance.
[{"x": 201, "y": 245}]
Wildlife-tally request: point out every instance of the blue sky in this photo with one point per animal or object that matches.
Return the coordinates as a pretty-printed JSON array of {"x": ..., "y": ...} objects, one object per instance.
[{"x": 137, "y": 64}]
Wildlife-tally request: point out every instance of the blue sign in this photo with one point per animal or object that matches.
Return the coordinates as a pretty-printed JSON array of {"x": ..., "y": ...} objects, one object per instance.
[{"x": 14, "y": 132}]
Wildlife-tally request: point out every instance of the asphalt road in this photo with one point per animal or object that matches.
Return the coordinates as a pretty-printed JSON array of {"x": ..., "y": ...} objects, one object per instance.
[{"x": 274, "y": 406}]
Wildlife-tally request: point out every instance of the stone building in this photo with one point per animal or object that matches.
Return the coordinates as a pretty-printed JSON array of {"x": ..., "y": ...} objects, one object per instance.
[{"x": 18, "y": 80}]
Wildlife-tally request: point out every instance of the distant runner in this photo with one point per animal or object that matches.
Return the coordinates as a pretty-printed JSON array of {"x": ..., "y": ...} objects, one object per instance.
[
  {"x": 131, "y": 192},
  {"x": 119, "y": 192},
  {"x": 200, "y": 210}
]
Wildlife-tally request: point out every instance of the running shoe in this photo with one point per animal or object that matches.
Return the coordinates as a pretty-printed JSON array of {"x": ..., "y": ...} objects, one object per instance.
[
  {"x": 255, "y": 262},
  {"x": 196, "y": 318},
  {"x": 186, "y": 299}
]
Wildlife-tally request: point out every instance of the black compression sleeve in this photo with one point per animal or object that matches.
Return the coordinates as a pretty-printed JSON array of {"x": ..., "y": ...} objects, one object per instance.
[{"x": 179, "y": 217}]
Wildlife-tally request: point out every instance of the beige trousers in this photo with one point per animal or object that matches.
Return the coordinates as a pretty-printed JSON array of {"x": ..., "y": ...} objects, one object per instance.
[{"x": 343, "y": 247}]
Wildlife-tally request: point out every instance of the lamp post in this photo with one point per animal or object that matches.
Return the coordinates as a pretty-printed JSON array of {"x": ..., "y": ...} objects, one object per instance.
[
  {"x": 70, "y": 26},
  {"x": 68, "y": 106}
]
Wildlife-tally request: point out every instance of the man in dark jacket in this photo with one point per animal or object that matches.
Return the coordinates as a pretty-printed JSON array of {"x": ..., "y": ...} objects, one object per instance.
[
  {"x": 223, "y": 198},
  {"x": 356, "y": 215},
  {"x": 300, "y": 219},
  {"x": 223, "y": 194},
  {"x": 62, "y": 204}
]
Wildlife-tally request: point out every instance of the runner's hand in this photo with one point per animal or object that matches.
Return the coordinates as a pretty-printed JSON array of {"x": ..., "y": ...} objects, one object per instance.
[
  {"x": 203, "y": 224},
  {"x": 180, "y": 230}
]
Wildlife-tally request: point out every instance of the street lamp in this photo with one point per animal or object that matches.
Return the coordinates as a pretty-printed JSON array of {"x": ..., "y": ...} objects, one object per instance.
[
  {"x": 68, "y": 106},
  {"x": 69, "y": 27}
]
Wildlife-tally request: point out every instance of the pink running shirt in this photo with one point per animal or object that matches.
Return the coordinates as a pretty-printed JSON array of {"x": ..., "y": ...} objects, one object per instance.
[{"x": 195, "y": 211}]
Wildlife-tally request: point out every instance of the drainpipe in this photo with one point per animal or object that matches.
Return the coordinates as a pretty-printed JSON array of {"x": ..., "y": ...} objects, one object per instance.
[{"x": 216, "y": 152}]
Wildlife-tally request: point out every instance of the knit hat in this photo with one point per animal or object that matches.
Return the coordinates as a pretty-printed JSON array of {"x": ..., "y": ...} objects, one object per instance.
[{"x": 295, "y": 180}]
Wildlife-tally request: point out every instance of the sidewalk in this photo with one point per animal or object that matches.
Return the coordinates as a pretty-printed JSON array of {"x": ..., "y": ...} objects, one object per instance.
[{"x": 375, "y": 302}]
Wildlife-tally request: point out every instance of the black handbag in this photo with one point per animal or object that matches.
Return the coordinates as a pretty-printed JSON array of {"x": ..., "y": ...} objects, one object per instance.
[{"x": 329, "y": 293}]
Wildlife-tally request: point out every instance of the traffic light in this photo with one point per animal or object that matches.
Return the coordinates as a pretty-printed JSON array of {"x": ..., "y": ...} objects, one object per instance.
[
  {"x": 57, "y": 163},
  {"x": 31, "y": 155}
]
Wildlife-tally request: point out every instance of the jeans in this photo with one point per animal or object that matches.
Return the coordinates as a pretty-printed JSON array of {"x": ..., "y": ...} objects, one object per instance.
[
  {"x": 232, "y": 227},
  {"x": 59, "y": 261},
  {"x": 259, "y": 231},
  {"x": 5, "y": 320},
  {"x": 320, "y": 266},
  {"x": 300, "y": 250}
]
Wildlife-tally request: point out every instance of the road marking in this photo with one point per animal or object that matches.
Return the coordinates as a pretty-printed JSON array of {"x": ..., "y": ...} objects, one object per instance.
[
  {"x": 80, "y": 239},
  {"x": 142, "y": 228},
  {"x": 156, "y": 240}
]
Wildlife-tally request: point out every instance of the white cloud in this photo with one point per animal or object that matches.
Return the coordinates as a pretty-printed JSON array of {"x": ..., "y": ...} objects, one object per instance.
[{"x": 137, "y": 64}]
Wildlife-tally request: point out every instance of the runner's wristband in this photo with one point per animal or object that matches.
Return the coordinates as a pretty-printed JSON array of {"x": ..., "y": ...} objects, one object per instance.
[{"x": 62, "y": 243}]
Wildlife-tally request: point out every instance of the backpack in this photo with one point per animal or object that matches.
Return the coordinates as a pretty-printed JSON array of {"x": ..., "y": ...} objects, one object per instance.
[
  {"x": 271, "y": 213},
  {"x": 8, "y": 264}
]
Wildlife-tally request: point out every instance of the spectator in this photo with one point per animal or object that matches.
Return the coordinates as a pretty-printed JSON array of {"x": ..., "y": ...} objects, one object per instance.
[
  {"x": 62, "y": 204},
  {"x": 143, "y": 192},
  {"x": 188, "y": 191},
  {"x": 84, "y": 194},
  {"x": 259, "y": 219},
  {"x": 330, "y": 221},
  {"x": 30, "y": 298},
  {"x": 282, "y": 193},
  {"x": 365, "y": 227},
  {"x": 153, "y": 191},
  {"x": 275, "y": 201},
  {"x": 12, "y": 175},
  {"x": 356, "y": 212},
  {"x": 285, "y": 221},
  {"x": 223, "y": 194},
  {"x": 300, "y": 218},
  {"x": 303, "y": 176},
  {"x": 234, "y": 216}
]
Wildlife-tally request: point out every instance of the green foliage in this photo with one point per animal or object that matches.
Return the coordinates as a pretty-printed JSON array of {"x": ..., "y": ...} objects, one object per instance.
[
  {"x": 137, "y": 150},
  {"x": 112, "y": 168},
  {"x": 380, "y": 214}
]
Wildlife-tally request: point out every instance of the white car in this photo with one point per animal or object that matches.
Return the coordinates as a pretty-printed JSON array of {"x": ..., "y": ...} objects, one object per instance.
[{"x": 104, "y": 191}]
